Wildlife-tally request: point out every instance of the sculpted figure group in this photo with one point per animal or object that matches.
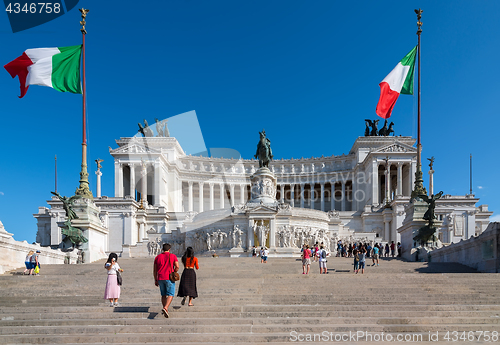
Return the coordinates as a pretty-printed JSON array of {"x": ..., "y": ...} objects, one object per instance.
[{"x": 374, "y": 131}]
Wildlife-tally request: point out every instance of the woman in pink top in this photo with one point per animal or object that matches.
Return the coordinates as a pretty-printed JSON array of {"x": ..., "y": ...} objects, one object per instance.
[{"x": 306, "y": 259}]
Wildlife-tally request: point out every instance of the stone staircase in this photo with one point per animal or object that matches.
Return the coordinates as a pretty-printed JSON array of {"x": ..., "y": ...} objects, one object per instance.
[{"x": 243, "y": 301}]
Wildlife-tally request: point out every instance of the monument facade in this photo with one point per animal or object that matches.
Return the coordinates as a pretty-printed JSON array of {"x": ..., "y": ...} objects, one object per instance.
[{"x": 230, "y": 205}]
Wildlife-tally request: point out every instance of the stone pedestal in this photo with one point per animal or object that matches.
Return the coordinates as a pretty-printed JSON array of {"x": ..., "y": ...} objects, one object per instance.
[
  {"x": 413, "y": 221},
  {"x": 93, "y": 230},
  {"x": 263, "y": 187},
  {"x": 238, "y": 252}
]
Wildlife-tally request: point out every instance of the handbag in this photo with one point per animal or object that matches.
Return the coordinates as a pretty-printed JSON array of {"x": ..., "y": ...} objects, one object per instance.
[
  {"x": 119, "y": 278},
  {"x": 173, "y": 276}
]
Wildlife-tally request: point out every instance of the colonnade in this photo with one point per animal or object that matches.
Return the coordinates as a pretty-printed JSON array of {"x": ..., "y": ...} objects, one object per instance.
[{"x": 322, "y": 196}]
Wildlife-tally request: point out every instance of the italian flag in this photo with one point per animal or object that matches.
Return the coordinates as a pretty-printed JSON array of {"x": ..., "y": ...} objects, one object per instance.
[
  {"x": 58, "y": 68},
  {"x": 400, "y": 80}
]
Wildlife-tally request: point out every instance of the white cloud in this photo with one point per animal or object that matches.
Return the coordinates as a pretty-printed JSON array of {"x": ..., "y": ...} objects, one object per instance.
[
  {"x": 2, "y": 193},
  {"x": 495, "y": 218},
  {"x": 480, "y": 187}
]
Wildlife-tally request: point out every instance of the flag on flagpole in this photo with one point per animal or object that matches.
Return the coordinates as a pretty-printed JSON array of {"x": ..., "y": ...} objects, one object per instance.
[
  {"x": 400, "y": 80},
  {"x": 58, "y": 68}
]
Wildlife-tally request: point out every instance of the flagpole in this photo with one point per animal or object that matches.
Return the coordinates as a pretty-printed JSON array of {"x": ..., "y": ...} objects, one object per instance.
[
  {"x": 419, "y": 188},
  {"x": 55, "y": 158},
  {"x": 84, "y": 189},
  {"x": 470, "y": 173}
]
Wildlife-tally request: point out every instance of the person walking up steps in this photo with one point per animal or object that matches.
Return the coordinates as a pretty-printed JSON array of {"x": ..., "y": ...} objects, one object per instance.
[
  {"x": 27, "y": 262},
  {"x": 322, "y": 254},
  {"x": 187, "y": 287},
  {"x": 356, "y": 261},
  {"x": 112, "y": 291},
  {"x": 165, "y": 263}
]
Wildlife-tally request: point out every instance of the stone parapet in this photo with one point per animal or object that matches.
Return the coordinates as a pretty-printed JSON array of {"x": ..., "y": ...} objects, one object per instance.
[{"x": 481, "y": 252}]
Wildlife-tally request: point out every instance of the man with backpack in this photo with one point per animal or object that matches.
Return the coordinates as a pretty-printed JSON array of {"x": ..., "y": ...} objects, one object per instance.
[
  {"x": 322, "y": 254},
  {"x": 165, "y": 263}
]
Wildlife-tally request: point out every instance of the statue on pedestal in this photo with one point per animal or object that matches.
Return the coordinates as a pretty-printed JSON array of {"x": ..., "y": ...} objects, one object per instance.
[
  {"x": 68, "y": 204},
  {"x": 264, "y": 152},
  {"x": 75, "y": 235},
  {"x": 426, "y": 233},
  {"x": 385, "y": 131}
]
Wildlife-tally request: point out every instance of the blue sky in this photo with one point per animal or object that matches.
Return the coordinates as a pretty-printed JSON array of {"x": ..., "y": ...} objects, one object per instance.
[{"x": 307, "y": 72}]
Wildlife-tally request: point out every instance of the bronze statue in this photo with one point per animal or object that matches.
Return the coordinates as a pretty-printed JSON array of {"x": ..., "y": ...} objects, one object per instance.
[
  {"x": 431, "y": 160},
  {"x": 264, "y": 152},
  {"x": 75, "y": 235},
  {"x": 367, "y": 129},
  {"x": 429, "y": 214},
  {"x": 141, "y": 130},
  {"x": 98, "y": 161},
  {"x": 385, "y": 131},
  {"x": 147, "y": 131},
  {"x": 373, "y": 124},
  {"x": 68, "y": 205}
]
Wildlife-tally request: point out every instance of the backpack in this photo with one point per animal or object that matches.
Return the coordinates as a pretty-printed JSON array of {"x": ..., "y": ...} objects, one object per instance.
[{"x": 323, "y": 254}]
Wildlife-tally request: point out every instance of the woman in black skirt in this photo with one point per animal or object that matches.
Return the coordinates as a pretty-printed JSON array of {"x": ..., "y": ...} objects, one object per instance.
[{"x": 187, "y": 287}]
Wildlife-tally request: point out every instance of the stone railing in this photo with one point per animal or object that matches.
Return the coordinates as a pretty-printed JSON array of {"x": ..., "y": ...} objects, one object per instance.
[
  {"x": 13, "y": 253},
  {"x": 481, "y": 252}
]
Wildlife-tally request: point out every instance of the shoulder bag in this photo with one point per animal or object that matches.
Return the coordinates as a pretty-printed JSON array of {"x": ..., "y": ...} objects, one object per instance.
[
  {"x": 119, "y": 278},
  {"x": 174, "y": 276}
]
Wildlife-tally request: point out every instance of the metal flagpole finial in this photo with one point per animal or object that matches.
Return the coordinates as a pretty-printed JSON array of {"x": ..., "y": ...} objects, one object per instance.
[
  {"x": 419, "y": 23},
  {"x": 83, "y": 22}
]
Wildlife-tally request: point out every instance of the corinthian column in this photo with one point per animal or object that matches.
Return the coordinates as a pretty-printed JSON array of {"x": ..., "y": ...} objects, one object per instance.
[
  {"x": 190, "y": 184},
  {"x": 132, "y": 180},
  {"x": 200, "y": 184},
  {"x": 211, "y": 195}
]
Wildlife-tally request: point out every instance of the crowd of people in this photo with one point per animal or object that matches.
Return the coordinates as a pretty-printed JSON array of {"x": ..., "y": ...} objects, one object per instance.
[{"x": 166, "y": 266}]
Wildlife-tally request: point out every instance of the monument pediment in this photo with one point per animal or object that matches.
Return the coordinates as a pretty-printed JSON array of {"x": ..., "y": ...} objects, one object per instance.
[
  {"x": 133, "y": 147},
  {"x": 261, "y": 209},
  {"x": 396, "y": 147}
]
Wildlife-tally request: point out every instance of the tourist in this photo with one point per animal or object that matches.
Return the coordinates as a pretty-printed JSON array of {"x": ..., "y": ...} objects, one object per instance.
[
  {"x": 375, "y": 256},
  {"x": 349, "y": 250},
  {"x": 254, "y": 251},
  {"x": 112, "y": 291},
  {"x": 265, "y": 254},
  {"x": 322, "y": 254},
  {"x": 356, "y": 261},
  {"x": 165, "y": 263},
  {"x": 261, "y": 253},
  {"x": 187, "y": 287},
  {"x": 393, "y": 248},
  {"x": 387, "y": 249},
  {"x": 306, "y": 259},
  {"x": 315, "y": 252},
  {"x": 34, "y": 263},
  {"x": 27, "y": 262},
  {"x": 362, "y": 258},
  {"x": 368, "y": 250},
  {"x": 400, "y": 249}
]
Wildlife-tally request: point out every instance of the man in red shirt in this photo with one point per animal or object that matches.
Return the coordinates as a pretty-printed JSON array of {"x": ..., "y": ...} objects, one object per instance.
[{"x": 165, "y": 263}]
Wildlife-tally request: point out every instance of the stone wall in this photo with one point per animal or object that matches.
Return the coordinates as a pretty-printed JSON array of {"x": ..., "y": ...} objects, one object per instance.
[
  {"x": 481, "y": 252},
  {"x": 13, "y": 253}
]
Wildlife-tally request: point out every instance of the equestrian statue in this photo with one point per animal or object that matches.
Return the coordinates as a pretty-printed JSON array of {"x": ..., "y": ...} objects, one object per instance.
[{"x": 264, "y": 153}]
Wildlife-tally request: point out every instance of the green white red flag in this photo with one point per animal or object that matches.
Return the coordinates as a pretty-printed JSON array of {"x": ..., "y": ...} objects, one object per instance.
[
  {"x": 400, "y": 80},
  {"x": 58, "y": 68}
]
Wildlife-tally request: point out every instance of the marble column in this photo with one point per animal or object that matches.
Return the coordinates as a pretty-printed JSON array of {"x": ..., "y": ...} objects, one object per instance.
[
  {"x": 272, "y": 233},
  {"x": 98, "y": 189},
  {"x": 242, "y": 194},
  {"x": 302, "y": 195},
  {"x": 282, "y": 193},
  {"x": 387, "y": 231},
  {"x": 200, "y": 184},
  {"x": 190, "y": 196},
  {"x": 141, "y": 232},
  {"x": 354, "y": 206},
  {"x": 211, "y": 195},
  {"x": 312, "y": 195},
  {"x": 343, "y": 196},
  {"x": 332, "y": 196},
  {"x": 322, "y": 196},
  {"x": 250, "y": 234},
  {"x": 375, "y": 191},
  {"x": 431, "y": 182},
  {"x": 400, "y": 179},
  {"x": 292, "y": 195},
  {"x": 388, "y": 183},
  {"x": 120, "y": 180},
  {"x": 413, "y": 170},
  {"x": 231, "y": 193},
  {"x": 221, "y": 195},
  {"x": 132, "y": 180},
  {"x": 156, "y": 187},
  {"x": 144, "y": 180}
]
